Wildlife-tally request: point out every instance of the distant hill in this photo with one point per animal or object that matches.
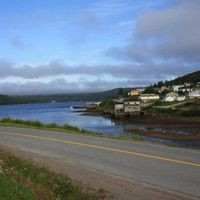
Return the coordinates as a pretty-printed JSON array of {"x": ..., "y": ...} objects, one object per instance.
[
  {"x": 188, "y": 78},
  {"x": 97, "y": 96},
  {"x": 193, "y": 78}
]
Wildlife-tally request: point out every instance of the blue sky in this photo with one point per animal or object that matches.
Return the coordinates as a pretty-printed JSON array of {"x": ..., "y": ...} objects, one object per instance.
[
  {"x": 55, "y": 46},
  {"x": 39, "y": 31}
]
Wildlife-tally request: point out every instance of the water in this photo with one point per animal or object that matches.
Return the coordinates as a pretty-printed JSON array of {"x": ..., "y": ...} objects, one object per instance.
[{"x": 61, "y": 113}]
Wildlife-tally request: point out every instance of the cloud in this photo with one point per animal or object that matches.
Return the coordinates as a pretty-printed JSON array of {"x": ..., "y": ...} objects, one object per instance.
[
  {"x": 58, "y": 77},
  {"x": 59, "y": 86},
  {"x": 165, "y": 34},
  {"x": 120, "y": 71},
  {"x": 131, "y": 52},
  {"x": 177, "y": 28}
]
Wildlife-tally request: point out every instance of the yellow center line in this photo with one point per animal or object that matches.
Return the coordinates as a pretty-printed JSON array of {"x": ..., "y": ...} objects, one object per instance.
[{"x": 105, "y": 148}]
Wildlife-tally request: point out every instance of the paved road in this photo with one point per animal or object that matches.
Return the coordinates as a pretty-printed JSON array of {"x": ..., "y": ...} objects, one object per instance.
[{"x": 173, "y": 168}]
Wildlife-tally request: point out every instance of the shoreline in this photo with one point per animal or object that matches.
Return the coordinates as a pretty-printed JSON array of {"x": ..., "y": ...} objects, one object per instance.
[
  {"x": 136, "y": 133},
  {"x": 148, "y": 119},
  {"x": 177, "y": 129}
]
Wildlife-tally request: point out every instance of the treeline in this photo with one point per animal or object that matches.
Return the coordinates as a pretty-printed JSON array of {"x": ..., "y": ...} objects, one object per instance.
[
  {"x": 192, "y": 78},
  {"x": 98, "y": 96},
  {"x": 6, "y": 100}
]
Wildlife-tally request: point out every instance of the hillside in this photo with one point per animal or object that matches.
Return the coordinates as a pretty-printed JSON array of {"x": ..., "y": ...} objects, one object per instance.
[
  {"x": 24, "y": 99},
  {"x": 188, "y": 78}
]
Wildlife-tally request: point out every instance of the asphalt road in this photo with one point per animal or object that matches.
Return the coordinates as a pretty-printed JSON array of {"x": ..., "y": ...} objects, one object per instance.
[{"x": 172, "y": 168}]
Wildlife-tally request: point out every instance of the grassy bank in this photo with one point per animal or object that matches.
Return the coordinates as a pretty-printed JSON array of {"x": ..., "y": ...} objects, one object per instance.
[
  {"x": 106, "y": 105},
  {"x": 55, "y": 127},
  {"x": 20, "y": 179},
  {"x": 167, "y": 136},
  {"x": 39, "y": 125},
  {"x": 186, "y": 109},
  {"x": 170, "y": 112}
]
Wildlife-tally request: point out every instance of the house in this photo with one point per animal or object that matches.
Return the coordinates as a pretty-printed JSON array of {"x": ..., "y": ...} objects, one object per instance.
[
  {"x": 92, "y": 105},
  {"x": 134, "y": 93},
  {"x": 186, "y": 89},
  {"x": 187, "y": 84},
  {"x": 119, "y": 109},
  {"x": 176, "y": 88},
  {"x": 170, "y": 97},
  {"x": 131, "y": 107},
  {"x": 180, "y": 98},
  {"x": 194, "y": 94},
  {"x": 172, "y": 94},
  {"x": 140, "y": 89},
  {"x": 149, "y": 97}
]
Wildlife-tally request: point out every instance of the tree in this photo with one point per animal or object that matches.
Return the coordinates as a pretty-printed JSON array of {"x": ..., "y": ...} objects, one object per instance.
[
  {"x": 120, "y": 92},
  {"x": 160, "y": 84},
  {"x": 149, "y": 90},
  {"x": 164, "y": 92}
]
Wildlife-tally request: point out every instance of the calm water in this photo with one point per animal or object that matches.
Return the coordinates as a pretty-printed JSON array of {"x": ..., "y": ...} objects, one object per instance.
[{"x": 61, "y": 113}]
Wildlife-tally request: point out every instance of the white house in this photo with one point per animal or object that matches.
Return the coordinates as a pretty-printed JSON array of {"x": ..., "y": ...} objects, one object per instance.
[
  {"x": 194, "y": 94},
  {"x": 119, "y": 108},
  {"x": 177, "y": 87},
  {"x": 169, "y": 99},
  {"x": 185, "y": 89},
  {"x": 92, "y": 104},
  {"x": 149, "y": 97},
  {"x": 140, "y": 89},
  {"x": 187, "y": 84},
  {"x": 180, "y": 98}
]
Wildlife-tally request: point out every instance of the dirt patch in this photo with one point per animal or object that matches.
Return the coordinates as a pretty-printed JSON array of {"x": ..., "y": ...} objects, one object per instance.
[{"x": 120, "y": 188}]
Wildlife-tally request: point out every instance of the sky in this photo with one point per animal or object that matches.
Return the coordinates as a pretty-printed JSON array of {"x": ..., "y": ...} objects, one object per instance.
[{"x": 76, "y": 46}]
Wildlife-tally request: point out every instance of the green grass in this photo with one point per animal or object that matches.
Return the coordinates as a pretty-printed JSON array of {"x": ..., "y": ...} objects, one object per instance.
[
  {"x": 10, "y": 189},
  {"x": 186, "y": 109},
  {"x": 39, "y": 125},
  {"x": 23, "y": 180},
  {"x": 106, "y": 105},
  {"x": 177, "y": 112}
]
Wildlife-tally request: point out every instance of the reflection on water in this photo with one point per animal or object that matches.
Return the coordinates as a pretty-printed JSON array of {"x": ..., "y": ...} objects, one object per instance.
[{"x": 62, "y": 113}]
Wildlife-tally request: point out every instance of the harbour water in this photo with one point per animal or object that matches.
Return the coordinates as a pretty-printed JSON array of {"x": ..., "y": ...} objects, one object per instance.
[{"x": 63, "y": 113}]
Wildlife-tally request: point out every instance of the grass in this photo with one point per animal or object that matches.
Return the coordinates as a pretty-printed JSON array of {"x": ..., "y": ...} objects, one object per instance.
[
  {"x": 177, "y": 112},
  {"x": 106, "y": 105},
  {"x": 55, "y": 127},
  {"x": 20, "y": 179},
  {"x": 187, "y": 109},
  {"x": 39, "y": 125},
  {"x": 10, "y": 189}
]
